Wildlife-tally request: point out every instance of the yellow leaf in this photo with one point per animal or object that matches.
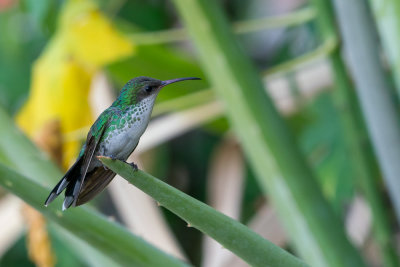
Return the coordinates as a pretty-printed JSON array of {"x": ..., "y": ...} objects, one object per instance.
[
  {"x": 38, "y": 241},
  {"x": 90, "y": 35},
  {"x": 85, "y": 41}
]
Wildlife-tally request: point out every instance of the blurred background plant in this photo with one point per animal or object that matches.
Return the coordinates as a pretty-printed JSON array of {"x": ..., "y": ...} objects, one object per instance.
[{"x": 63, "y": 62}]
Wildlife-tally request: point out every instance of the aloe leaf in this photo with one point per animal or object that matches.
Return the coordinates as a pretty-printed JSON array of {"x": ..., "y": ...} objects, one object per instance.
[
  {"x": 233, "y": 235},
  {"x": 387, "y": 18},
  {"x": 109, "y": 238},
  {"x": 281, "y": 169},
  {"x": 373, "y": 90}
]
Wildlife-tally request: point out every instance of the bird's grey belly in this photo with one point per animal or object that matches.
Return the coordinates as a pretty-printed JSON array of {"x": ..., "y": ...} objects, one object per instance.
[{"x": 121, "y": 143}]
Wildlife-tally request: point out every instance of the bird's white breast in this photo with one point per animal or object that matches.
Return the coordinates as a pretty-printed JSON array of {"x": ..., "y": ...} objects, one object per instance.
[{"x": 121, "y": 142}]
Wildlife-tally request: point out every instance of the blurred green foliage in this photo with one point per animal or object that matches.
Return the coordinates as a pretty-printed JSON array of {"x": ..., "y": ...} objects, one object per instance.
[
  {"x": 321, "y": 138},
  {"x": 25, "y": 28},
  {"x": 16, "y": 256}
]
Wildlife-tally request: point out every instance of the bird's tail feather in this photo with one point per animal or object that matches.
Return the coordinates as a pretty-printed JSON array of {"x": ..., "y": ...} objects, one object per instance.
[
  {"x": 70, "y": 178},
  {"x": 95, "y": 182},
  {"x": 72, "y": 192}
]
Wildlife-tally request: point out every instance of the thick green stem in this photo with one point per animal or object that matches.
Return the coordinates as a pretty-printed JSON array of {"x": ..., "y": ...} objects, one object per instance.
[
  {"x": 176, "y": 35},
  {"x": 323, "y": 51},
  {"x": 363, "y": 164},
  {"x": 233, "y": 235},
  {"x": 353, "y": 127},
  {"x": 373, "y": 90},
  {"x": 267, "y": 142},
  {"x": 387, "y": 17},
  {"x": 109, "y": 238}
]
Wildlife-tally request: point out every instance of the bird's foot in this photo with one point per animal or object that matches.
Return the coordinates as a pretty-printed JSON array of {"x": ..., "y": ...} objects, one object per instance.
[
  {"x": 112, "y": 157},
  {"x": 134, "y": 166}
]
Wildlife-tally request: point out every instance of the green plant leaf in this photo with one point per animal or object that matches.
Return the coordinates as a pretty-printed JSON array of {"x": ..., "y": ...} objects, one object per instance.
[
  {"x": 269, "y": 146},
  {"x": 323, "y": 140},
  {"x": 233, "y": 235},
  {"x": 109, "y": 238}
]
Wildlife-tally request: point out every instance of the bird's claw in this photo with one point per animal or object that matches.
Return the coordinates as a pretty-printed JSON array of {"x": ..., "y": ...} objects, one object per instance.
[
  {"x": 112, "y": 157},
  {"x": 134, "y": 166}
]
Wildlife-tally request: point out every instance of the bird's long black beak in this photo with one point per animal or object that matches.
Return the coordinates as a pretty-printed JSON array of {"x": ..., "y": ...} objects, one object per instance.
[{"x": 164, "y": 83}]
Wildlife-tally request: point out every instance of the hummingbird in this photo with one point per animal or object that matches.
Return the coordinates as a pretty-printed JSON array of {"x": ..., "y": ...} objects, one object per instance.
[{"x": 114, "y": 134}]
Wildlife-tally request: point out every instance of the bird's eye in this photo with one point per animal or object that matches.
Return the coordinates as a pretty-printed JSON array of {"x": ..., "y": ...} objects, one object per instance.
[{"x": 148, "y": 88}]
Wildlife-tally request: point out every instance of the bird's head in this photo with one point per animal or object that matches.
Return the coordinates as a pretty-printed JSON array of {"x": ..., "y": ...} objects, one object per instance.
[{"x": 140, "y": 88}]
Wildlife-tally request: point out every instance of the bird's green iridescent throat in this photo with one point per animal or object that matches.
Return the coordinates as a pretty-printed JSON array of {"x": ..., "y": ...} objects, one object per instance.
[{"x": 128, "y": 95}]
